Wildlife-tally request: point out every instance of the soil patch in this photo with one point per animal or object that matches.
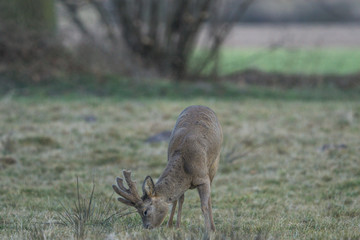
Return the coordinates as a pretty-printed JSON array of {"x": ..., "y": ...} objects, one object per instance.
[{"x": 6, "y": 161}]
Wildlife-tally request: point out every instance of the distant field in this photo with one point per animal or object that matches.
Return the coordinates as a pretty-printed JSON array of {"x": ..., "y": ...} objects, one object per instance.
[
  {"x": 292, "y": 48},
  {"x": 319, "y": 61},
  {"x": 306, "y": 35},
  {"x": 298, "y": 177},
  {"x": 339, "y": 61}
]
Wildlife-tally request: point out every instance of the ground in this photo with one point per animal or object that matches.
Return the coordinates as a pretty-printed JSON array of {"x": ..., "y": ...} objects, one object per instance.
[{"x": 289, "y": 167}]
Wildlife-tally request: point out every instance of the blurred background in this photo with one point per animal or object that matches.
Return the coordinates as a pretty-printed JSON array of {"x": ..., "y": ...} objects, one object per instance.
[
  {"x": 90, "y": 87},
  {"x": 258, "y": 42}
]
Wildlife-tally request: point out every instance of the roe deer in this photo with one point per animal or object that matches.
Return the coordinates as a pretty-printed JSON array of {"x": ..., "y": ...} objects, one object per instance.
[{"x": 193, "y": 158}]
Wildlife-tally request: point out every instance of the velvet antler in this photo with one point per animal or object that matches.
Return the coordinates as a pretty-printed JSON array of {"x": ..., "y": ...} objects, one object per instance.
[{"x": 128, "y": 196}]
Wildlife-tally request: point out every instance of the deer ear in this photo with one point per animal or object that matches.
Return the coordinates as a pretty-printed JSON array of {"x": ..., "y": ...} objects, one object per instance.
[{"x": 148, "y": 187}]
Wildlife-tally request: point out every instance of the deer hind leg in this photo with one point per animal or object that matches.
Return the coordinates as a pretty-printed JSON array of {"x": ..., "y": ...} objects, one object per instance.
[
  {"x": 211, "y": 215},
  {"x": 170, "y": 222},
  {"x": 181, "y": 201},
  {"x": 204, "y": 192}
]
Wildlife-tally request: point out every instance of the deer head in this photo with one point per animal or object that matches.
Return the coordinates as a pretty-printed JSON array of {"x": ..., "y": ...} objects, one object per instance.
[{"x": 151, "y": 207}]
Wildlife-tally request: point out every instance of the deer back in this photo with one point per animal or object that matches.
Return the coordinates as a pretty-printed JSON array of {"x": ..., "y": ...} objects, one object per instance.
[{"x": 195, "y": 143}]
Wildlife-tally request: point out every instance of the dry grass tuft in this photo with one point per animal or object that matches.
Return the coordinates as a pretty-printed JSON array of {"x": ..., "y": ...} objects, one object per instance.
[
  {"x": 87, "y": 214},
  {"x": 8, "y": 144}
]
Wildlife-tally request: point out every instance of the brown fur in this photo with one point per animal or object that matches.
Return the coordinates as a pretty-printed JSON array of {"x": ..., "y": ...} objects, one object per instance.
[{"x": 193, "y": 158}]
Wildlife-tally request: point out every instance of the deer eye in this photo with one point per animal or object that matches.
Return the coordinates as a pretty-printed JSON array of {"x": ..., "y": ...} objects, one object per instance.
[{"x": 145, "y": 212}]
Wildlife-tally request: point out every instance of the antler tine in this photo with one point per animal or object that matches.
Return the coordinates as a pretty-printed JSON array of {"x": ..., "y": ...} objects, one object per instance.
[
  {"x": 120, "y": 183},
  {"x": 129, "y": 196},
  {"x": 131, "y": 184}
]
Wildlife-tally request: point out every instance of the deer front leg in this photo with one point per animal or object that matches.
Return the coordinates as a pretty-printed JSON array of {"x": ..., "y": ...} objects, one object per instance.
[
  {"x": 181, "y": 201},
  {"x": 204, "y": 192},
  {"x": 170, "y": 222}
]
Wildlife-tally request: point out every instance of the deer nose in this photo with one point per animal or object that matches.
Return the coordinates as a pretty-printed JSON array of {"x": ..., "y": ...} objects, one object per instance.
[{"x": 147, "y": 226}]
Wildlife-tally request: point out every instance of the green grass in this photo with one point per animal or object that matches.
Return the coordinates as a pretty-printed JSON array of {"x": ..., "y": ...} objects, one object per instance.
[
  {"x": 340, "y": 61},
  {"x": 119, "y": 88},
  {"x": 286, "y": 187}
]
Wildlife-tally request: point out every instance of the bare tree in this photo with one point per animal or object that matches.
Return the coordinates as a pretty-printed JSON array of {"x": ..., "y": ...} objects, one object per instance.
[
  {"x": 164, "y": 33},
  {"x": 27, "y": 39},
  {"x": 36, "y": 15}
]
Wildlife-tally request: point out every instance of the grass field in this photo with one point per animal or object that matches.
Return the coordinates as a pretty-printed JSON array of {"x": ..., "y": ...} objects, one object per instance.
[
  {"x": 298, "y": 176},
  {"x": 339, "y": 61}
]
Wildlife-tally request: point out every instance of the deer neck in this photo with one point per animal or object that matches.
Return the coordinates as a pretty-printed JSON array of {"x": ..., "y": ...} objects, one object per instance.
[{"x": 173, "y": 182}]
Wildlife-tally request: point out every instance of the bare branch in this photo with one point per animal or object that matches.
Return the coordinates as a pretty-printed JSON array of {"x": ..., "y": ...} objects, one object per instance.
[
  {"x": 72, "y": 9},
  {"x": 163, "y": 34}
]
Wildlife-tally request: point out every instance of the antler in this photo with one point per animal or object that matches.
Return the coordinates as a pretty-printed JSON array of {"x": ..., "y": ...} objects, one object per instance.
[{"x": 129, "y": 196}]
